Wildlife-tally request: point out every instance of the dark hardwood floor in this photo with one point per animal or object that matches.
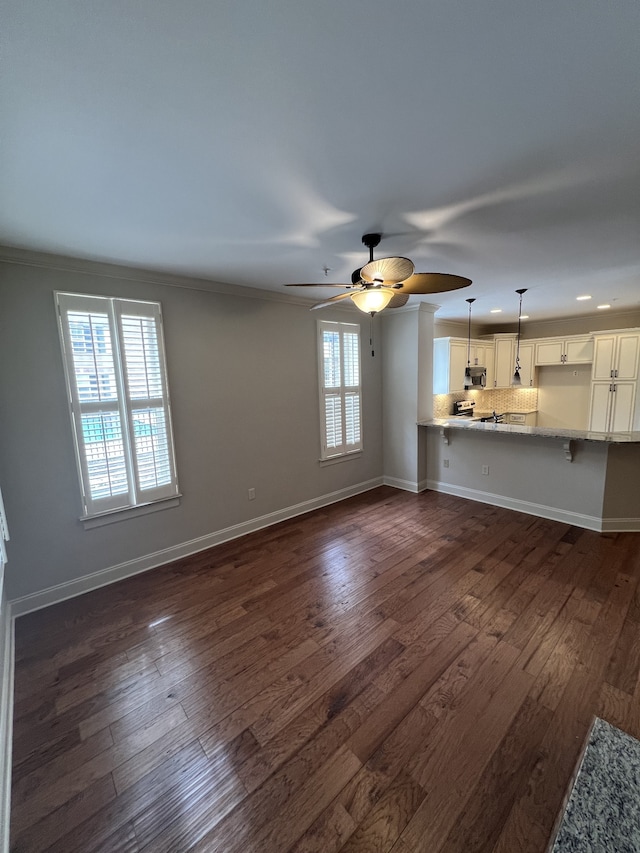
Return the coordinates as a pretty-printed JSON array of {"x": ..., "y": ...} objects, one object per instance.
[{"x": 395, "y": 672}]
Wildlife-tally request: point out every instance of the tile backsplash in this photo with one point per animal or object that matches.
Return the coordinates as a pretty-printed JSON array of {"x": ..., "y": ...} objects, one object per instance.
[{"x": 493, "y": 399}]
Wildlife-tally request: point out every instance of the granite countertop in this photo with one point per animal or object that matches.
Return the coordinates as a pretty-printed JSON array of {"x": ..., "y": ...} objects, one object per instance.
[
  {"x": 545, "y": 432},
  {"x": 603, "y": 812}
]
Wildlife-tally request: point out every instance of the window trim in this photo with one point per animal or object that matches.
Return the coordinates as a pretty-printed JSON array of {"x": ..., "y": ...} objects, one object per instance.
[
  {"x": 135, "y": 499},
  {"x": 346, "y": 451}
]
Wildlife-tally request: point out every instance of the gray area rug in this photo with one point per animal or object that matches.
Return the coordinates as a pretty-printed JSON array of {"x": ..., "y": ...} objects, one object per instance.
[{"x": 603, "y": 812}]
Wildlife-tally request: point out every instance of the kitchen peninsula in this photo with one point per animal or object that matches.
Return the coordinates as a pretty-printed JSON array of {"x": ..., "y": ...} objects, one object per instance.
[{"x": 590, "y": 479}]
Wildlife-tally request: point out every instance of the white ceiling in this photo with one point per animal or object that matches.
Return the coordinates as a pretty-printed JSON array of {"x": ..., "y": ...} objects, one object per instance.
[{"x": 254, "y": 141}]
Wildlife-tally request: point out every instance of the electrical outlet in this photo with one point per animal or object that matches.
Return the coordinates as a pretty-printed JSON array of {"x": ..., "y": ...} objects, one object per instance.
[
  {"x": 445, "y": 463},
  {"x": 485, "y": 470},
  {"x": 252, "y": 494}
]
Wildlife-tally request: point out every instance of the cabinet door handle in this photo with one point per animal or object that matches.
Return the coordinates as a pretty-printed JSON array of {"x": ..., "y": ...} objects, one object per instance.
[
  {"x": 614, "y": 387},
  {"x": 611, "y": 373},
  {"x": 615, "y": 374}
]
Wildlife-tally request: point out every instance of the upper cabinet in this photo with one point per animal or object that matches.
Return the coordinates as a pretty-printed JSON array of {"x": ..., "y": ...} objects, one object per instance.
[
  {"x": 506, "y": 349},
  {"x": 616, "y": 356},
  {"x": 614, "y": 380},
  {"x": 450, "y": 356},
  {"x": 527, "y": 364},
  {"x": 576, "y": 349},
  {"x": 505, "y": 360}
]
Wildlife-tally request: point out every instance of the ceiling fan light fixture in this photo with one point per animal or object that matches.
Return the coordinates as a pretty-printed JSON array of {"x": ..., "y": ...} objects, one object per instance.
[
  {"x": 372, "y": 299},
  {"x": 395, "y": 274}
]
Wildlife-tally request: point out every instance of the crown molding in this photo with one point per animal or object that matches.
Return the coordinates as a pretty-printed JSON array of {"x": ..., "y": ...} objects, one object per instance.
[
  {"x": 559, "y": 322},
  {"x": 65, "y": 263}
]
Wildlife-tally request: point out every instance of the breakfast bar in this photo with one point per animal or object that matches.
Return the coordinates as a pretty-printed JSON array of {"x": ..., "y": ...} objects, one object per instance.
[{"x": 589, "y": 479}]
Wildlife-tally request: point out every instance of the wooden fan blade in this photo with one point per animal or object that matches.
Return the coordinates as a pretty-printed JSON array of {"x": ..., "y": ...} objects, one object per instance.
[
  {"x": 387, "y": 271},
  {"x": 398, "y": 300},
  {"x": 433, "y": 282},
  {"x": 331, "y": 301}
]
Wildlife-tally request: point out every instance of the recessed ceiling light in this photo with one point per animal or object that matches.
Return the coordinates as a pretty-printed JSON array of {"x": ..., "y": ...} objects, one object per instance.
[
  {"x": 604, "y": 306},
  {"x": 496, "y": 311},
  {"x": 582, "y": 298}
]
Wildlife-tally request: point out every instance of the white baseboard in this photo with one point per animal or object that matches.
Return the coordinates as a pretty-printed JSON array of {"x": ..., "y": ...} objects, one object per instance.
[
  {"x": 405, "y": 485},
  {"x": 6, "y": 719},
  {"x": 78, "y": 586},
  {"x": 589, "y": 522}
]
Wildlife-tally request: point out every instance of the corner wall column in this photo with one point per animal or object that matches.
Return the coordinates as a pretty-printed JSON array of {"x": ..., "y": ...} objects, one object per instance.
[{"x": 407, "y": 393}]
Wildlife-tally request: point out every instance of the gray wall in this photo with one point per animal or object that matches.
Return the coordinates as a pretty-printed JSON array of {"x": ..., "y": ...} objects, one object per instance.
[
  {"x": 244, "y": 393},
  {"x": 525, "y": 468},
  {"x": 622, "y": 491}
]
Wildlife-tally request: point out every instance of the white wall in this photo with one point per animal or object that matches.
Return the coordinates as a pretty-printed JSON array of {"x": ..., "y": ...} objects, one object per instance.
[
  {"x": 407, "y": 383},
  {"x": 244, "y": 393}
]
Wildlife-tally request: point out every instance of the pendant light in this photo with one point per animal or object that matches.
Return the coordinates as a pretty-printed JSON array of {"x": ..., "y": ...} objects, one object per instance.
[
  {"x": 517, "y": 381},
  {"x": 467, "y": 373}
]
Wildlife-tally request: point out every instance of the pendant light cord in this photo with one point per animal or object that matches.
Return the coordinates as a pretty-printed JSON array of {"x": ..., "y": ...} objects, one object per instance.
[
  {"x": 520, "y": 292},
  {"x": 519, "y": 325},
  {"x": 467, "y": 373}
]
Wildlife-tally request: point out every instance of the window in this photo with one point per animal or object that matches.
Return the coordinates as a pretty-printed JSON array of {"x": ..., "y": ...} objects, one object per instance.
[
  {"x": 116, "y": 375},
  {"x": 340, "y": 390}
]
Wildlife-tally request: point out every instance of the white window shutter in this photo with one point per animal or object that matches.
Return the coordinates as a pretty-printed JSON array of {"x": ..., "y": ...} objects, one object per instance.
[
  {"x": 340, "y": 388},
  {"x": 147, "y": 398},
  {"x": 116, "y": 376}
]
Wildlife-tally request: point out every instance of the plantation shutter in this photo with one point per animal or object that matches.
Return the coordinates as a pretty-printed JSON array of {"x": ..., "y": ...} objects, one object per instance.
[
  {"x": 147, "y": 399},
  {"x": 116, "y": 378},
  {"x": 340, "y": 391}
]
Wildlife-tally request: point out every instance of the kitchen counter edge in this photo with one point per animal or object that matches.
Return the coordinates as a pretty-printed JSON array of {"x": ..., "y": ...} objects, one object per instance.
[{"x": 543, "y": 432}]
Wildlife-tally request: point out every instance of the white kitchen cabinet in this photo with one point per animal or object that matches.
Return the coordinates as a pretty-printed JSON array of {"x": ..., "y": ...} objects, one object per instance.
[
  {"x": 450, "y": 356},
  {"x": 505, "y": 360},
  {"x": 614, "y": 381},
  {"x": 616, "y": 356},
  {"x": 527, "y": 364},
  {"x": 576, "y": 349},
  {"x": 506, "y": 347},
  {"x": 612, "y": 406},
  {"x": 449, "y": 362},
  {"x": 484, "y": 352}
]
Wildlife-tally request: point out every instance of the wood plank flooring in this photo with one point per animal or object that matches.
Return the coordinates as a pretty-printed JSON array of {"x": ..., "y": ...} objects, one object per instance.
[{"x": 396, "y": 672}]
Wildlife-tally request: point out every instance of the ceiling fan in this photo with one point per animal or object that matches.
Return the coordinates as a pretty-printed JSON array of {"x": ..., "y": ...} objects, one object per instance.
[{"x": 388, "y": 282}]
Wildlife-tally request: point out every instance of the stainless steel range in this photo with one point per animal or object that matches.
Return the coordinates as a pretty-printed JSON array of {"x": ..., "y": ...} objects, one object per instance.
[{"x": 464, "y": 408}]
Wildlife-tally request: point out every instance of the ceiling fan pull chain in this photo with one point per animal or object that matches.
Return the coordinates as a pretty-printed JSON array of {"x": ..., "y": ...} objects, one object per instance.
[{"x": 371, "y": 335}]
